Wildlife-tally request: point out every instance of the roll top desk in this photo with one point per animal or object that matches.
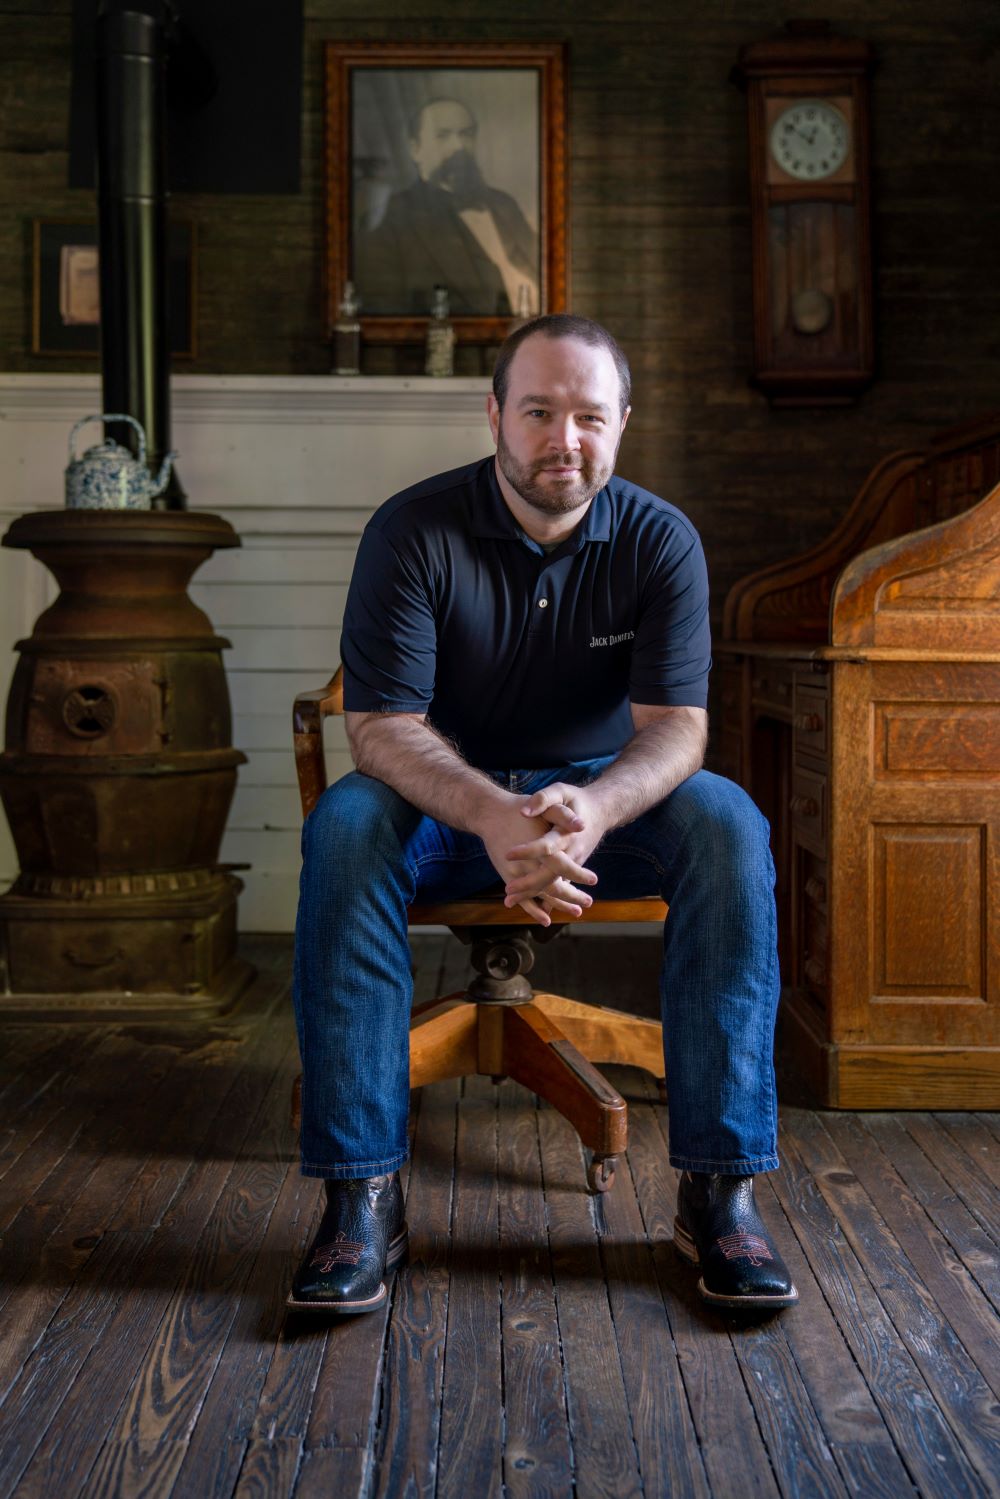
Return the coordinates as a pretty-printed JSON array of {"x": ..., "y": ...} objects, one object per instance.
[{"x": 861, "y": 710}]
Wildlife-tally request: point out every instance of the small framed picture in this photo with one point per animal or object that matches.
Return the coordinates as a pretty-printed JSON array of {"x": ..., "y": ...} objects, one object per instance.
[
  {"x": 66, "y": 296},
  {"x": 445, "y": 166}
]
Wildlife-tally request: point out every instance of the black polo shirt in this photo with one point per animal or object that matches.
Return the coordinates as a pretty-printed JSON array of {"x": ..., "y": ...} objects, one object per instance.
[{"x": 525, "y": 658}]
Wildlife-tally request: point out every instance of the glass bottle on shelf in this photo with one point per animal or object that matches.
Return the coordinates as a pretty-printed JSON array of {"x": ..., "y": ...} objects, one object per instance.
[
  {"x": 524, "y": 313},
  {"x": 440, "y": 359},
  {"x": 347, "y": 334}
]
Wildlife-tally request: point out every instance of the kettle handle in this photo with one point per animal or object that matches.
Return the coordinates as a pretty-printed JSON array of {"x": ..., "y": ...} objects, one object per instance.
[{"x": 109, "y": 416}]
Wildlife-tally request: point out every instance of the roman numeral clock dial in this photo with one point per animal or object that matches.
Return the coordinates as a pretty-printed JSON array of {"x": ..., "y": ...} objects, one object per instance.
[{"x": 810, "y": 211}]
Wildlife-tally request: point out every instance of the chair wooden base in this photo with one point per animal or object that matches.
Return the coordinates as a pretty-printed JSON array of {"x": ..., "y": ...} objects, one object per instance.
[{"x": 548, "y": 1044}]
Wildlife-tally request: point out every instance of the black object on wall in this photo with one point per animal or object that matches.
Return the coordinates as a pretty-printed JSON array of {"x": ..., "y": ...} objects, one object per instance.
[{"x": 234, "y": 96}]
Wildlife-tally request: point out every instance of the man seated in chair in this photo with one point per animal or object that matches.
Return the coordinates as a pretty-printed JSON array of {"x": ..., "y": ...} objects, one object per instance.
[{"x": 526, "y": 658}]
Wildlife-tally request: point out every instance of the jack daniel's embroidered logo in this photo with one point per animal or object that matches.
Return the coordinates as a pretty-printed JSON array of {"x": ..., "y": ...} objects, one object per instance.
[
  {"x": 611, "y": 639},
  {"x": 343, "y": 1251}
]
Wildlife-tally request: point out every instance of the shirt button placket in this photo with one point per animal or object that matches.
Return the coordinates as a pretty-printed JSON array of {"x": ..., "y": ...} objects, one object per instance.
[{"x": 538, "y": 618}]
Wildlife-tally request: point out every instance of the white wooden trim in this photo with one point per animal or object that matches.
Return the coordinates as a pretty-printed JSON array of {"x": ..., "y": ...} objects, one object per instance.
[{"x": 353, "y": 400}]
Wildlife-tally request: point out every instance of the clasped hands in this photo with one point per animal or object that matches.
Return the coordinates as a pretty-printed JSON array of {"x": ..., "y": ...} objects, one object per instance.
[{"x": 541, "y": 871}]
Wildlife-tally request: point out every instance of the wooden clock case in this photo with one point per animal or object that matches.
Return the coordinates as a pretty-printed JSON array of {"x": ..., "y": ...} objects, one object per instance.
[{"x": 811, "y": 239}]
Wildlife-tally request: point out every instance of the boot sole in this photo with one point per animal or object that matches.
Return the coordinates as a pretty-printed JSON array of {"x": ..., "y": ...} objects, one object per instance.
[
  {"x": 397, "y": 1252},
  {"x": 688, "y": 1250}
]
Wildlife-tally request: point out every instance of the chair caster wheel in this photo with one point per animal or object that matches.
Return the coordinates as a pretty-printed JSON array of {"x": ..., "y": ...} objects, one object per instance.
[{"x": 601, "y": 1173}]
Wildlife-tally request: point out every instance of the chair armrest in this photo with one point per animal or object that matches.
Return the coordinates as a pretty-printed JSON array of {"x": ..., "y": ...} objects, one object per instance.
[{"x": 308, "y": 713}]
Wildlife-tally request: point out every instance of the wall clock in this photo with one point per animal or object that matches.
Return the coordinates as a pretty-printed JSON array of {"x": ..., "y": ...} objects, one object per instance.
[{"x": 810, "y": 210}]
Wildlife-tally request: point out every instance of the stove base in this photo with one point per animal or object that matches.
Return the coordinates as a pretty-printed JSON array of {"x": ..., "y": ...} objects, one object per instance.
[{"x": 162, "y": 954}]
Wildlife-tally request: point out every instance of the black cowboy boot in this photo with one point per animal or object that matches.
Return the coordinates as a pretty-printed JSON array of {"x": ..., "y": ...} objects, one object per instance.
[
  {"x": 719, "y": 1228},
  {"x": 361, "y": 1238}
]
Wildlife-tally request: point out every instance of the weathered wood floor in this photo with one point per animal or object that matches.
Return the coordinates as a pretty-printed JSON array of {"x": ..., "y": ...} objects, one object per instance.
[{"x": 540, "y": 1342}]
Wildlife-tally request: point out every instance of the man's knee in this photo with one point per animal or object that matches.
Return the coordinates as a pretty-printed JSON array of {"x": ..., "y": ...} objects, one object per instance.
[
  {"x": 357, "y": 819},
  {"x": 720, "y": 821}
]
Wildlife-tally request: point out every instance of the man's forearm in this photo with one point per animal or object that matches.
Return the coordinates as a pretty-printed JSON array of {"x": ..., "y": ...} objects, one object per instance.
[
  {"x": 653, "y": 763},
  {"x": 407, "y": 754}
]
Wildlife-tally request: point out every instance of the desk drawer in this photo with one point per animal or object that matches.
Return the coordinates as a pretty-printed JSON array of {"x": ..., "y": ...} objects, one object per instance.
[
  {"x": 772, "y": 686},
  {"x": 810, "y": 719},
  {"x": 812, "y": 926},
  {"x": 809, "y": 808}
]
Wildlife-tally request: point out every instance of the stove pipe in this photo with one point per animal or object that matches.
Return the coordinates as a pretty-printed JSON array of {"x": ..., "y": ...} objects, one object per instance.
[{"x": 132, "y": 37}]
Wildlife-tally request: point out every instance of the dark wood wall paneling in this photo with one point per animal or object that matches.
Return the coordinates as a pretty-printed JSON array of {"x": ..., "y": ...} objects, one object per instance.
[{"x": 660, "y": 236}]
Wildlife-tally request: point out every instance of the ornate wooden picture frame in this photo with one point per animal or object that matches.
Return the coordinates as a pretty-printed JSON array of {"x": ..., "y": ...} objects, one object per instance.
[{"x": 445, "y": 165}]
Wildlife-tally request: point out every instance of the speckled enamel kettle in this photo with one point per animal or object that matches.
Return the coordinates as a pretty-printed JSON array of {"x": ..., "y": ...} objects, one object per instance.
[{"x": 107, "y": 477}]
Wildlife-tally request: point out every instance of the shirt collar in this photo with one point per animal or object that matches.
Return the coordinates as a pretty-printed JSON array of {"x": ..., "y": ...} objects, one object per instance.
[{"x": 491, "y": 517}]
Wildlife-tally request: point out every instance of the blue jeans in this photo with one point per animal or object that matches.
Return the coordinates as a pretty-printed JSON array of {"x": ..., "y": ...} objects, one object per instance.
[{"x": 368, "y": 854}]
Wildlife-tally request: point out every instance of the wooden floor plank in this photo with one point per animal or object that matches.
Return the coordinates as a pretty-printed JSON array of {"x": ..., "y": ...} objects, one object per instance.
[
  {"x": 109, "y": 1121},
  {"x": 538, "y": 1457},
  {"x": 135, "y": 1470},
  {"x": 31, "y": 1055},
  {"x": 114, "y": 1367},
  {"x": 406, "y": 1441},
  {"x": 956, "y": 1293},
  {"x": 721, "y": 1410},
  {"x": 784, "y": 1408},
  {"x": 965, "y": 1177},
  {"x": 46, "y": 1099},
  {"x": 670, "y": 1460},
  {"x": 793, "y": 1435},
  {"x": 935, "y": 1195},
  {"x": 47, "y": 1252},
  {"x": 227, "y": 1416},
  {"x": 814, "y": 1206},
  {"x": 333, "y": 1473},
  {"x": 471, "y": 1443},
  {"x": 212, "y": 1237},
  {"x": 269, "y": 1471},
  {"x": 961, "y": 1392},
  {"x": 603, "y": 1443},
  {"x": 852, "y": 1423},
  {"x": 972, "y": 1133}
]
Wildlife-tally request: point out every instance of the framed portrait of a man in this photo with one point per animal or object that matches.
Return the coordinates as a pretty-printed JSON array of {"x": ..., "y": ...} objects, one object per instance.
[{"x": 445, "y": 167}]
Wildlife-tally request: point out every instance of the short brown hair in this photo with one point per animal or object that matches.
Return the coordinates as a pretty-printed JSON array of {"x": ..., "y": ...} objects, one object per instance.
[{"x": 562, "y": 325}]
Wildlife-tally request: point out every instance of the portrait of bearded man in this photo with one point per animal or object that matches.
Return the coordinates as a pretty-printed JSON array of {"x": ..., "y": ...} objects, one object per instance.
[{"x": 448, "y": 228}]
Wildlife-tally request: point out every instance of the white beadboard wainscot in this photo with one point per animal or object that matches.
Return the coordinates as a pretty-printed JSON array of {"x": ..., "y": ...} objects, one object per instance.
[{"x": 297, "y": 465}]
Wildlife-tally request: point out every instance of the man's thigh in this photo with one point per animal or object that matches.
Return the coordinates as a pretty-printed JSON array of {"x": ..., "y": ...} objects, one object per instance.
[
  {"x": 635, "y": 859},
  {"x": 449, "y": 864}
]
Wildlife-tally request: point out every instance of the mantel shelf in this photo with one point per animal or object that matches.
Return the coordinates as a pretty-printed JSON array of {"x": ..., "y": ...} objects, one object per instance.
[{"x": 264, "y": 398}]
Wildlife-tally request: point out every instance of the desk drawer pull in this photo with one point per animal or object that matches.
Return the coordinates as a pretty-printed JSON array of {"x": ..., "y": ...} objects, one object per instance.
[
  {"x": 804, "y": 806},
  {"x": 816, "y": 889},
  {"x": 815, "y": 972},
  {"x": 808, "y": 723}
]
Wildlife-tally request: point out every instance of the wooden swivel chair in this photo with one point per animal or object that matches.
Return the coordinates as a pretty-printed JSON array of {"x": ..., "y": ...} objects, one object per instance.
[{"x": 499, "y": 1027}]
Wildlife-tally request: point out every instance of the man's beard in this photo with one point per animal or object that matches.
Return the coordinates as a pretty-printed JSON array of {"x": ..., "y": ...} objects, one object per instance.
[
  {"x": 553, "y": 498},
  {"x": 459, "y": 174}
]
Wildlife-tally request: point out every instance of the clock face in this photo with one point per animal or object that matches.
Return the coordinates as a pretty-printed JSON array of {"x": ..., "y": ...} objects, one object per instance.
[{"x": 810, "y": 140}]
